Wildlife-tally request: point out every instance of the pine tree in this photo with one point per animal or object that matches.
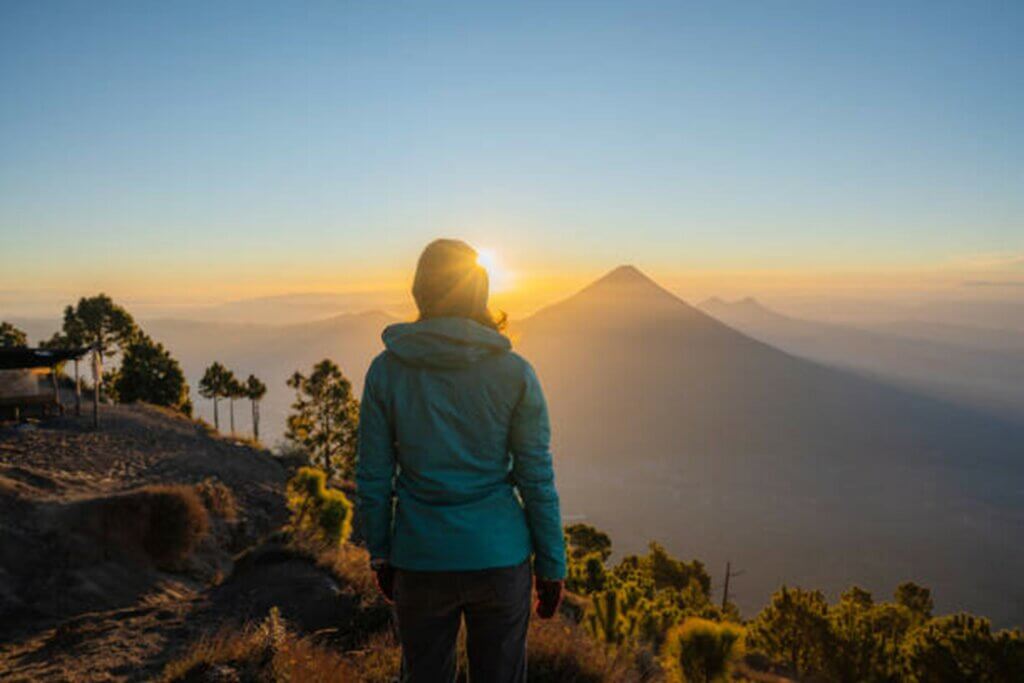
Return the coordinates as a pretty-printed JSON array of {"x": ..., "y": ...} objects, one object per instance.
[
  {"x": 213, "y": 385},
  {"x": 97, "y": 321},
  {"x": 232, "y": 389},
  {"x": 325, "y": 418},
  {"x": 11, "y": 336},
  {"x": 795, "y": 629},
  {"x": 149, "y": 373},
  {"x": 962, "y": 647},
  {"x": 255, "y": 390}
]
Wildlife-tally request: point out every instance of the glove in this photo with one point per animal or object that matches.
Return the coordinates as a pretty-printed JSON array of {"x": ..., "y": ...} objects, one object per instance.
[
  {"x": 385, "y": 580},
  {"x": 549, "y": 596}
]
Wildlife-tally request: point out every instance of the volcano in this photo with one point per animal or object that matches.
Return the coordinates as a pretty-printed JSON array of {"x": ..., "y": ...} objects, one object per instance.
[{"x": 672, "y": 426}]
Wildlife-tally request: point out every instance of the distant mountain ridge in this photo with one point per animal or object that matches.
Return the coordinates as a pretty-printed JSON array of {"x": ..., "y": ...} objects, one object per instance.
[
  {"x": 979, "y": 370},
  {"x": 747, "y": 308},
  {"x": 291, "y": 309}
]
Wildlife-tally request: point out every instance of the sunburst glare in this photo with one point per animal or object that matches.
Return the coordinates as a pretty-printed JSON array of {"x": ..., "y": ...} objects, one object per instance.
[{"x": 500, "y": 277}]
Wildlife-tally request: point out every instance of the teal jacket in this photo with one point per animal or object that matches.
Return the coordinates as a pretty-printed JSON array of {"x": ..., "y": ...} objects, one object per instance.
[{"x": 454, "y": 467}]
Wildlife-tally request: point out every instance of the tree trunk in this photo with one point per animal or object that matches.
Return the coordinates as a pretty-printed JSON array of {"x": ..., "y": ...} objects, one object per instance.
[
  {"x": 256, "y": 421},
  {"x": 231, "y": 404},
  {"x": 97, "y": 377},
  {"x": 327, "y": 443},
  {"x": 216, "y": 415},
  {"x": 56, "y": 390},
  {"x": 78, "y": 392}
]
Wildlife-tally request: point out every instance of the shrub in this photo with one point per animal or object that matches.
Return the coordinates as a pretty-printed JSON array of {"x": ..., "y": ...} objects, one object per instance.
[
  {"x": 866, "y": 637},
  {"x": 962, "y": 647},
  {"x": 319, "y": 513},
  {"x": 915, "y": 598},
  {"x": 587, "y": 575},
  {"x": 794, "y": 628},
  {"x": 218, "y": 498},
  {"x": 583, "y": 540},
  {"x": 561, "y": 652},
  {"x": 163, "y": 522},
  {"x": 702, "y": 651},
  {"x": 177, "y": 522}
]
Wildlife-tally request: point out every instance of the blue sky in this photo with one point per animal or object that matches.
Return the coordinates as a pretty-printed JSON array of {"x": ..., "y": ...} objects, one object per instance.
[{"x": 221, "y": 148}]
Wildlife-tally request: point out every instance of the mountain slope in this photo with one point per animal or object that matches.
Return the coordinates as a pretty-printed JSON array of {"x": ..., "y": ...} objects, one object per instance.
[
  {"x": 974, "y": 371},
  {"x": 671, "y": 425}
]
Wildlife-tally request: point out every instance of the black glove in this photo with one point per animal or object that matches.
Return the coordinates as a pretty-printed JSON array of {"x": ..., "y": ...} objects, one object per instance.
[
  {"x": 549, "y": 596},
  {"x": 385, "y": 581}
]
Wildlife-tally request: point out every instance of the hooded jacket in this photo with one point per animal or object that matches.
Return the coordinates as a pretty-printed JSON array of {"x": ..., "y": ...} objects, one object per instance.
[{"x": 454, "y": 467}]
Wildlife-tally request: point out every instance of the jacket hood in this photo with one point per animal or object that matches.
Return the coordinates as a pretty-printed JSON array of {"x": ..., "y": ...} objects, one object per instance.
[{"x": 444, "y": 342}]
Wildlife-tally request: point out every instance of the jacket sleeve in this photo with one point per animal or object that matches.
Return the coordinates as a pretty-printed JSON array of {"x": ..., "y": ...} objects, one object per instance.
[
  {"x": 375, "y": 468},
  {"x": 534, "y": 477}
]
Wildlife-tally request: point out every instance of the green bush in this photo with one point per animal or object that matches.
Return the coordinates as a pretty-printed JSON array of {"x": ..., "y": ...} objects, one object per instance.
[
  {"x": 962, "y": 647},
  {"x": 587, "y": 575},
  {"x": 561, "y": 652},
  {"x": 583, "y": 540},
  {"x": 319, "y": 513},
  {"x": 794, "y": 628},
  {"x": 702, "y": 651}
]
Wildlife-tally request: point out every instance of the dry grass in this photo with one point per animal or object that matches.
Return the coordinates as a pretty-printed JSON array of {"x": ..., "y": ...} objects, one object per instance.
[
  {"x": 218, "y": 499},
  {"x": 271, "y": 652},
  {"x": 167, "y": 411},
  {"x": 559, "y": 652},
  {"x": 351, "y": 565},
  {"x": 177, "y": 521},
  {"x": 562, "y": 652},
  {"x": 205, "y": 427},
  {"x": 163, "y": 522}
]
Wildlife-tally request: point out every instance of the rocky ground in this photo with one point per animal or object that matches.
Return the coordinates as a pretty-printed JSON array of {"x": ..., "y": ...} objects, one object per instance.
[{"x": 73, "y": 605}]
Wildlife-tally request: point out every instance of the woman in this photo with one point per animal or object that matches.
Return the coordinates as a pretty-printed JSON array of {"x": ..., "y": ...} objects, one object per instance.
[{"x": 455, "y": 485}]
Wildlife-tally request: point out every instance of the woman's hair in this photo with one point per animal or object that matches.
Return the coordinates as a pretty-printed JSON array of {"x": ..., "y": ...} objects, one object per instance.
[{"x": 450, "y": 283}]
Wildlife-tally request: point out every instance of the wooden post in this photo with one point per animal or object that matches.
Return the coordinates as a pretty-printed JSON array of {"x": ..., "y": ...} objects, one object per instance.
[
  {"x": 78, "y": 391},
  {"x": 56, "y": 389}
]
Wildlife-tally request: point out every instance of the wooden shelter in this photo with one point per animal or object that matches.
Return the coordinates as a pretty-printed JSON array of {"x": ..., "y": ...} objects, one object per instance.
[{"x": 29, "y": 379}]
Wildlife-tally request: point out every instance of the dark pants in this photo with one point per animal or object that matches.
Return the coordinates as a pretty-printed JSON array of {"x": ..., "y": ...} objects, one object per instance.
[{"x": 496, "y": 606}]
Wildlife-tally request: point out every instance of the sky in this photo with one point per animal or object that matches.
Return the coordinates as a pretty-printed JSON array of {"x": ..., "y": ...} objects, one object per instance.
[{"x": 194, "y": 152}]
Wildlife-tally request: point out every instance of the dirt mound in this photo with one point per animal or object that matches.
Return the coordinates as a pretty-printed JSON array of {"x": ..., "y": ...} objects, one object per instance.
[
  {"x": 138, "y": 518},
  {"x": 274, "y": 575},
  {"x": 106, "y": 552}
]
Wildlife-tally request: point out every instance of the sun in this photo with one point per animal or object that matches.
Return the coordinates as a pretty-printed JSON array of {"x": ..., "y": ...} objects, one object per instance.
[{"x": 500, "y": 278}]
